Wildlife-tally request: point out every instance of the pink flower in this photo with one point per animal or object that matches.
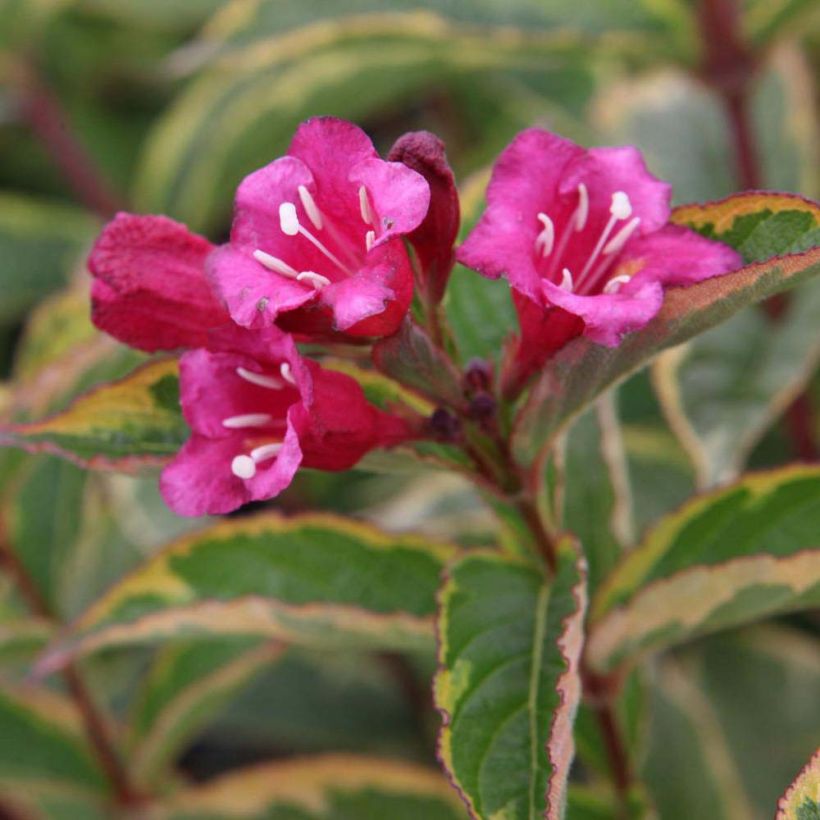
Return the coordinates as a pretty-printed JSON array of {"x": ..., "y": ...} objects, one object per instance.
[
  {"x": 150, "y": 289},
  {"x": 316, "y": 240},
  {"x": 582, "y": 237},
  {"x": 257, "y": 411}
]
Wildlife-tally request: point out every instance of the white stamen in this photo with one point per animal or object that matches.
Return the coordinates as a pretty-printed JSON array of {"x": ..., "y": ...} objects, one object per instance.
[
  {"x": 614, "y": 284},
  {"x": 566, "y": 280},
  {"x": 364, "y": 205},
  {"x": 286, "y": 372},
  {"x": 582, "y": 211},
  {"x": 316, "y": 279},
  {"x": 243, "y": 467},
  {"x": 259, "y": 379},
  {"x": 275, "y": 264},
  {"x": 369, "y": 239},
  {"x": 621, "y": 207},
  {"x": 265, "y": 452},
  {"x": 311, "y": 208},
  {"x": 620, "y": 239},
  {"x": 288, "y": 220},
  {"x": 247, "y": 420},
  {"x": 546, "y": 239}
]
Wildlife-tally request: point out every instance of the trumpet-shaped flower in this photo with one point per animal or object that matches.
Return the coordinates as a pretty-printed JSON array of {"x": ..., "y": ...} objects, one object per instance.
[
  {"x": 583, "y": 238},
  {"x": 316, "y": 240},
  {"x": 257, "y": 411}
]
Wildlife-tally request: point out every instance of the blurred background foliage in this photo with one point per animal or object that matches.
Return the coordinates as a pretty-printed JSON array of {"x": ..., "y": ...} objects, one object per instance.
[{"x": 162, "y": 107}]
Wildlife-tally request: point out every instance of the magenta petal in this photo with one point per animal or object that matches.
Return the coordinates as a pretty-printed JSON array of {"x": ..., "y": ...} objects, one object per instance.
[
  {"x": 199, "y": 480},
  {"x": 524, "y": 182},
  {"x": 330, "y": 147},
  {"x": 150, "y": 290},
  {"x": 607, "y": 317},
  {"x": 607, "y": 170},
  {"x": 256, "y": 223},
  {"x": 678, "y": 256},
  {"x": 253, "y": 295},
  {"x": 359, "y": 297},
  {"x": 399, "y": 197}
]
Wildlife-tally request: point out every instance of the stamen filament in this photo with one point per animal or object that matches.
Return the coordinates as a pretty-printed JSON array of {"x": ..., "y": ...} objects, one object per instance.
[
  {"x": 289, "y": 223},
  {"x": 614, "y": 284},
  {"x": 364, "y": 205},
  {"x": 287, "y": 373},
  {"x": 619, "y": 209},
  {"x": 620, "y": 239},
  {"x": 579, "y": 218},
  {"x": 566, "y": 280},
  {"x": 316, "y": 279},
  {"x": 259, "y": 379},
  {"x": 275, "y": 264},
  {"x": 243, "y": 467},
  {"x": 247, "y": 420},
  {"x": 265, "y": 452},
  {"x": 311, "y": 208},
  {"x": 545, "y": 240}
]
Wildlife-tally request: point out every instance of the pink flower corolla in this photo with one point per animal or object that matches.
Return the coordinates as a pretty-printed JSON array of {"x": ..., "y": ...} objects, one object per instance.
[
  {"x": 316, "y": 239},
  {"x": 583, "y": 238},
  {"x": 258, "y": 411},
  {"x": 149, "y": 288}
]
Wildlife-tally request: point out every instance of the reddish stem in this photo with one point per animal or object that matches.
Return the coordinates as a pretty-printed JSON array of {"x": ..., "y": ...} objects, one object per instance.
[
  {"x": 95, "y": 727},
  {"x": 729, "y": 67},
  {"x": 50, "y": 124}
]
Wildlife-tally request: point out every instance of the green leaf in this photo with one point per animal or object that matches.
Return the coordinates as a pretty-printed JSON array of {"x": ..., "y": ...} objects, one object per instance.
[
  {"x": 759, "y": 225},
  {"x": 131, "y": 422},
  {"x": 39, "y": 243},
  {"x": 43, "y": 744},
  {"x": 761, "y": 683},
  {"x": 508, "y": 684},
  {"x": 722, "y": 391},
  {"x": 316, "y": 580},
  {"x": 329, "y": 787},
  {"x": 728, "y": 557},
  {"x": 184, "y": 688},
  {"x": 802, "y": 799}
]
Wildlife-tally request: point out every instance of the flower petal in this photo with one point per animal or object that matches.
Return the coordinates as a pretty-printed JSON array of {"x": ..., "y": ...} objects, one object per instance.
[
  {"x": 253, "y": 296},
  {"x": 399, "y": 197},
  {"x": 150, "y": 290},
  {"x": 524, "y": 183},
  {"x": 607, "y": 317},
  {"x": 677, "y": 256}
]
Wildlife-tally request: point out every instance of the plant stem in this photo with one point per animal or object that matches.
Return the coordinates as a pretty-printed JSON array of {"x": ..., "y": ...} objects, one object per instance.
[
  {"x": 729, "y": 68},
  {"x": 543, "y": 540},
  {"x": 94, "y": 723},
  {"x": 49, "y": 122}
]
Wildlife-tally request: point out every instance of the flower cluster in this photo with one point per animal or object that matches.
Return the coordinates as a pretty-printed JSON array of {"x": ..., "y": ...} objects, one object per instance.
[{"x": 328, "y": 244}]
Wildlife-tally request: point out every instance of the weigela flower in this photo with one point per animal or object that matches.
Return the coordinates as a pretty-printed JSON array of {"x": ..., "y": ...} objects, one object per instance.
[
  {"x": 257, "y": 411},
  {"x": 150, "y": 289},
  {"x": 583, "y": 238},
  {"x": 316, "y": 240}
]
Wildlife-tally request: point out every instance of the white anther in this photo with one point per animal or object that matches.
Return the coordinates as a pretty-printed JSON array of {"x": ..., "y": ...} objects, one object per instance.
[
  {"x": 243, "y": 467},
  {"x": 621, "y": 207},
  {"x": 566, "y": 280},
  {"x": 364, "y": 205},
  {"x": 546, "y": 239},
  {"x": 369, "y": 239},
  {"x": 265, "y": 452},
  {"x": 275, "y": 264},
  {"x": 311, "y": 208},
  {"x": 614, "y": 284},
  {"x": 247, "y": 420},
  {"x": 288, "y": 220},
  {"x": 259, "y": 379},
  {"x": 582, "y": 211},
  {"x": 287, "y": 373},
  {"x": 620, "y": 239},
  {"x": 316, "y": 279}
]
